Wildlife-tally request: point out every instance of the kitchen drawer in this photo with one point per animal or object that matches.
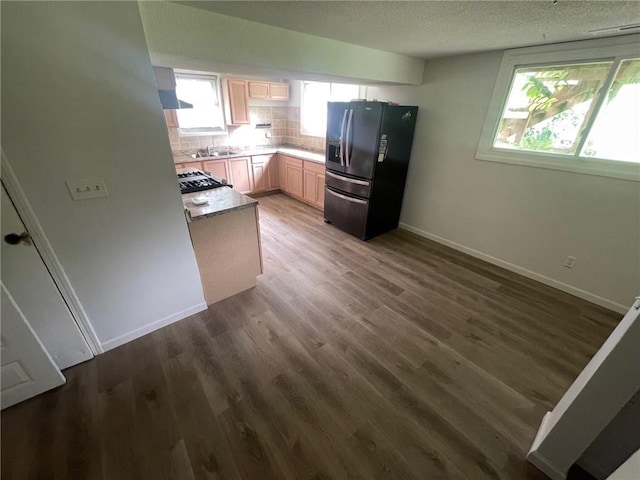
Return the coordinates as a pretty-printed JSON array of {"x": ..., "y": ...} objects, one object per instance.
[
  {"x": 260, "y": 159},
  {"x": 345, "y": 212},
  {"x": 313, "y": 166},
  {"x": 294, "y": 162},
  {"x": 361, "y": 188}
]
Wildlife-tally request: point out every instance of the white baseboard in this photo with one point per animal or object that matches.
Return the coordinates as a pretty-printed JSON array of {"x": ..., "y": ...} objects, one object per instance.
[
  {"x": 545, "y": 467},
  {"x": 142, "y": 331},
  {"x": 590, "y": 297}
]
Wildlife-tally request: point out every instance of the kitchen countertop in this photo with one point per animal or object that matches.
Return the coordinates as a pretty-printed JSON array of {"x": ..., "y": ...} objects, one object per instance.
[
  {"x": 179, "y": 157},
  {"x": 221, "y": 200}
]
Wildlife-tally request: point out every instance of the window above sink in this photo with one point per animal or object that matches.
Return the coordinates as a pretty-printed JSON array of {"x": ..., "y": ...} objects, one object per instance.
[{"x": 206, "y": 117}]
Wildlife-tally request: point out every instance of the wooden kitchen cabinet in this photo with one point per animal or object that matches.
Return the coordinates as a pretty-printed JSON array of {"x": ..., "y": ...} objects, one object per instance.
[
  {"x": 279, "y": 91},
  {"x": 197, "y": 165},
  {"x": 241, "y": 174},
  {"x": 282, "y": 172},
  {"x": 310, "y": 188},
  {"x": 294, "y": 177},
  {"x": 236, "y": 101},
  {"x": 302, "y": 179},
  {"x": 218, "y": 168},
  {"x": 258, "y": 89},
  {"x": 273, "y": 178},
  {"x": 314, "y": 184},
  {"x": 260, "y": 175},
  {"x": 268, "y": 90},
  {"x": 171, "y": 118},
  {"x": 265, "y": 173}
]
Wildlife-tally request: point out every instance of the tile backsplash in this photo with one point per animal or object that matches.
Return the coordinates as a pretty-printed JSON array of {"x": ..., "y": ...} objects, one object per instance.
[{"x": 285, "y": 130}]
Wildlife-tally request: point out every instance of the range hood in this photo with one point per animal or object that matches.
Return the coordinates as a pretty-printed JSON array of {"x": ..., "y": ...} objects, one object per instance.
[{"x": 166, "y": 82}]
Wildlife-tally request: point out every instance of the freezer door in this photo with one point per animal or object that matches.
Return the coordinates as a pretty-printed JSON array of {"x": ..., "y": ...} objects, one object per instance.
[
  {"x": 362, "y": 138},
  {"x": 337, "y": 113},
  {"x": 347, "y": 213}
]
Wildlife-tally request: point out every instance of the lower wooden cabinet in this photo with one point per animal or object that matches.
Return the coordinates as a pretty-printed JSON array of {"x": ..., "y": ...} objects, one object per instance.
[
  {"x": 180, "y": 166},
  {"x": 301, "y": 179},
  {"x": 241, "y": 175},
  {"x": 282, "y": 171},
  {"x": 260, "y": 177},
  {"x": 273, "y": 178},
  {"x": 314, "y": 183},
  {"x": 294, "y": 178},
  {"x": 218, "y": 168},
  {"x": 265, "y": 173}
]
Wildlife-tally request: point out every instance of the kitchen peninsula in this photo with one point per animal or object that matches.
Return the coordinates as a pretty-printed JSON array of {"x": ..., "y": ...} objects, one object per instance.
[{"x": 225, "y": 233}]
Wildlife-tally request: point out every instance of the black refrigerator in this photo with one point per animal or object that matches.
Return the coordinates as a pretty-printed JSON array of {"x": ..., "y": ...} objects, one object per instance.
[{"x": 367, "y": 157}]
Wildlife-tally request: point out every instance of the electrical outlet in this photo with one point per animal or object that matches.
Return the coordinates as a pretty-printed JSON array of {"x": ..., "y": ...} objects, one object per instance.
[
  {"x": 84, "y": 188},
  {"x": 570, "y": 261}
]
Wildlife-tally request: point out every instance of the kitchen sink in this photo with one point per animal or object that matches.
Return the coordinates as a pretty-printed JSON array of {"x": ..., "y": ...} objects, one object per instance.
[{"x": 221, "y": 153}]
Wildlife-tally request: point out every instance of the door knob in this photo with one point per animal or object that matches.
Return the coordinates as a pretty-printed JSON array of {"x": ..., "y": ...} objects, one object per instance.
[{"x": 15, "y": 238}]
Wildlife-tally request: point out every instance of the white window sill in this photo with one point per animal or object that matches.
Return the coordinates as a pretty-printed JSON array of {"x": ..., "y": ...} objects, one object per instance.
[
  {"x": 603, "y": 168},
  {"x": 202, "y": 133},
  {"x": 312, "y": 134}
]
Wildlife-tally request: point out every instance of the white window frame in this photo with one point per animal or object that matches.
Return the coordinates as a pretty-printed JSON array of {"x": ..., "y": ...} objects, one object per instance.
[
  {"x": 303, "y": 130},
  {"x": 215, "y": 80},
  {"x": 613, "y": 49}
]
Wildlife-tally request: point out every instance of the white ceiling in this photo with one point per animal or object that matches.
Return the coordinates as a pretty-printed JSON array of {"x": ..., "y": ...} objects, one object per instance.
[{"x": 428, "y": 29}]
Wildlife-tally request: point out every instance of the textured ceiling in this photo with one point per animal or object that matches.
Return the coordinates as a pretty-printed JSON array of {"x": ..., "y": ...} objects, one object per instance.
[{"x": 430, "y": 29}]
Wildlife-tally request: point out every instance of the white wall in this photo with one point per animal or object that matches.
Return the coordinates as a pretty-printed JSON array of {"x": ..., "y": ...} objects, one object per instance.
[
  {"x": 530, "y": 218},
  {"x": 79, "y": 101},
  {"x": 186, "y": 37}
]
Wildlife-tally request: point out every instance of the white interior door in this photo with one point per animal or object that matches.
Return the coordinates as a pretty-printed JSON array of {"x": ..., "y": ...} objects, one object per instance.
[
  {"x": 27, "y": 369},
  {"x": 27, "y": 279}
]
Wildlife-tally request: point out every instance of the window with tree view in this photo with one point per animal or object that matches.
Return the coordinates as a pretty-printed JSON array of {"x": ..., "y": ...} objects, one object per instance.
[{"x": 588, "y": 110}]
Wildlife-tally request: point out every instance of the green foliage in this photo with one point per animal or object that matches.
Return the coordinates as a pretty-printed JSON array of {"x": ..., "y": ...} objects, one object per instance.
[
  {"x": 541, "y": 97},
  {"x": 538, "y": 139}
]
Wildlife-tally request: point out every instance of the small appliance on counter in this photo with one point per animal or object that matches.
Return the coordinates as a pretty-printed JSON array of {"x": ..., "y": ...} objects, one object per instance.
[
  {"x": 367, "y": 157},
  {"x": 194, "y": 180}
]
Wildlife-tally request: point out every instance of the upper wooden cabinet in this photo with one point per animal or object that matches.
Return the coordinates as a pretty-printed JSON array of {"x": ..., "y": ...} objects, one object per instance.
[
  {"x": 171, "y": 118},
  {"x": 258, "y": 90},
  {"x": 279, "y": 91},
  {"x": 236, "y": 101},
  {"x": 268, "y": 90}
]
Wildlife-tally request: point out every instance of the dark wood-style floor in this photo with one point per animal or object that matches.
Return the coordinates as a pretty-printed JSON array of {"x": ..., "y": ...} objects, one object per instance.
[{"x": 397, "y": 358}]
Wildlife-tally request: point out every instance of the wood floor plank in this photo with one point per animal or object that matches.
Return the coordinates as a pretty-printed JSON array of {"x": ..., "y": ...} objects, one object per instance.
[
  {"x": 206, "y": 445},
  {"x": 396, "y": 358}
]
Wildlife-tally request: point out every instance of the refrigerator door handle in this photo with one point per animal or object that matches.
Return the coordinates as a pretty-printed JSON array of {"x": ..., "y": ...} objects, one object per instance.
[
  {"x": 341, "y": 143},
  {"x": 348, "y": 154},
  {"x": 344, "y": 197},
  {"x": 346, "y": 179}
]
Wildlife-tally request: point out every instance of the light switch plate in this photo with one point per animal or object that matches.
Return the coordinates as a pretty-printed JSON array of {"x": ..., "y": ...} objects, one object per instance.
[{"x": 85, "y": 188}]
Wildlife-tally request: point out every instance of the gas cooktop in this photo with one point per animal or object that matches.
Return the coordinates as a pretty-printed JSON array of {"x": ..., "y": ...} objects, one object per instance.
[{"x": 197, "y": 181}]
